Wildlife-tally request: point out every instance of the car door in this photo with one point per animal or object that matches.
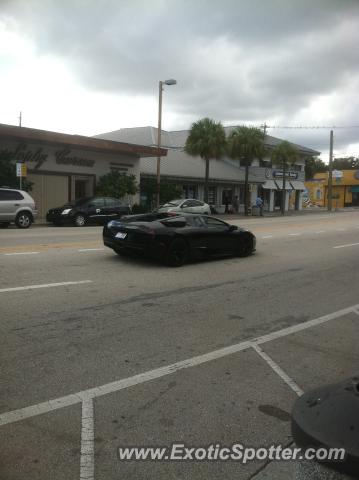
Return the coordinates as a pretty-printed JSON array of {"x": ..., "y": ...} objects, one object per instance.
[
  {"x": 113, "y": 208},
  {"x": 9, "y": 204},
  {"x": 186, "y": 206},
  {"x": 96, "y": 210},
  {"x": 196, "y": 206},
  {"x": 218, "y": 236}
]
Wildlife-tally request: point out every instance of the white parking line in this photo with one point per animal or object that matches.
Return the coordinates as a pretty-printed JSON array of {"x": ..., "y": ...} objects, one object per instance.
[
  {"x": 45, "y": 285},
  {"x": 74, "y": 398},
  {"x": 90, "y": 249},
  {"x": 20, "y": 253},
  {"x": 294, "y": 234},
  {"x": 268, "y": 236},
  {"x": 278, "y": 370},
  {"x": 320, "y": 231},
  {"x": 87, "y": 460},
  {"x": 347, "y": 245}
]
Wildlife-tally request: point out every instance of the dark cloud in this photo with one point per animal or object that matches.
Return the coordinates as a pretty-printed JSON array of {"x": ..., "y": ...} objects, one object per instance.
[{"x": 235, "y": 60}]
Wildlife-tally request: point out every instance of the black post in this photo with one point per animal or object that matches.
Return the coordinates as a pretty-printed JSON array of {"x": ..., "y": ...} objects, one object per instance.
[
  {"x": 246, "y": 178},
  {"x": 283, "y": 188}
]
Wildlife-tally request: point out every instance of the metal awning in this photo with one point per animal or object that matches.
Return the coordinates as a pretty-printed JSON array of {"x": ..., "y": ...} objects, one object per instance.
[
  {"x": 297, "y": 185},
  {"x": 270, "y": 185},
  {"x": 279, "y": 183}
]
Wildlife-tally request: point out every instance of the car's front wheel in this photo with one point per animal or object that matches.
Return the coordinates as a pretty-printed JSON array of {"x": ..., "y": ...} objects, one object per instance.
[
  {"x": 177, "y": 253},
  {"x": 23, "y": 220},
  {"x": 245, "y": 247},
  {"x": 80, "y": 220}
]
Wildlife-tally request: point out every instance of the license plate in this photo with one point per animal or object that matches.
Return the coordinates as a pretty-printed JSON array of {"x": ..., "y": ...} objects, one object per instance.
[{"x": 121, "y": 235}]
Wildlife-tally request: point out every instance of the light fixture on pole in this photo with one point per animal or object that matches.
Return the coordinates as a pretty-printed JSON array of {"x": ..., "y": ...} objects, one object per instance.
[{"x": 171, "y": 81}]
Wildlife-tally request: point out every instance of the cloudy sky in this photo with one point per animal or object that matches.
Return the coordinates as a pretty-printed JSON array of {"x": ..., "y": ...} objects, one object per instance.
[{"x": 92, "y": 66}]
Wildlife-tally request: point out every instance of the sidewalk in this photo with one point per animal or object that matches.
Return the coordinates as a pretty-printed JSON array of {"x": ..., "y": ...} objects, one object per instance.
[{"x": 290, "y": 213}]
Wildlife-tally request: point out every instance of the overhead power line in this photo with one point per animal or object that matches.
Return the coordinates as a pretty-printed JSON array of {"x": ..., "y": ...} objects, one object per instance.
[{"x": 311, "y": 127}]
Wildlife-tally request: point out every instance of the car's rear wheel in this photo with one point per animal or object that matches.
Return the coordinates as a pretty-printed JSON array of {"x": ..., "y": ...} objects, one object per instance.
[
  {"x": 177, "y": 253},
  {"x": 80, "y": 220},
  {"x": 23, "y": 220},
  {"x": 4, "y": 225},
  {"x": 245, "y": 247}
]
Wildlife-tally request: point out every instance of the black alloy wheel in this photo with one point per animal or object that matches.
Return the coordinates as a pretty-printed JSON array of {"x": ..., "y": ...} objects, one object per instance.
[
  {"x": 245, "y": 246},
  {"x": 177, "y": 253}
]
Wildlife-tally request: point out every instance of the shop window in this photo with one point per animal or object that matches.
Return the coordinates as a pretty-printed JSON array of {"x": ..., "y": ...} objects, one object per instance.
[
  {"x": 227, "y": 196},
  {"x": 190, "y": 191},
  {"x": 212, "y": 195}
]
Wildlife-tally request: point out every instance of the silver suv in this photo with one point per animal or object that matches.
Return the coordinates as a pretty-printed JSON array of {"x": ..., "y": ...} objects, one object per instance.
[{"x": 16, "y": 206}]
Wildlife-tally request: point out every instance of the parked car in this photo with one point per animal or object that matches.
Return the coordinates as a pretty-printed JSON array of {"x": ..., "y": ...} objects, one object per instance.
[
  {"x": 16, "y": 206},
  {"x": 186, "y": 205},
  {"x": 98, "y": 210},
  {"x": 176, "y": 238}
]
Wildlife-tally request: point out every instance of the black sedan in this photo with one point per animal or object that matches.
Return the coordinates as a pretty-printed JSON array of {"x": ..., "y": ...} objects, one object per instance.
[
  {"x": 84, "y": 211},
  {"x": 176, "y": 238}
]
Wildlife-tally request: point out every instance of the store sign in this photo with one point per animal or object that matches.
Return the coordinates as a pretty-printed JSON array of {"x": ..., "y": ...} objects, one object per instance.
[
  {"x": 289, "y": 174},
  {"x": 337, "y": 174},
  {"x": 37, "y": 157},
  {"x": 64, "y": 157}
]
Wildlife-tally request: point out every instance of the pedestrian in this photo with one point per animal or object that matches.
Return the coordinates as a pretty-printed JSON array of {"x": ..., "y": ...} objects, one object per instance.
[
  {"x": 226, "y": 204},
  {"x": 259, "y": 205},
  {"x": 236, "y": 204}
]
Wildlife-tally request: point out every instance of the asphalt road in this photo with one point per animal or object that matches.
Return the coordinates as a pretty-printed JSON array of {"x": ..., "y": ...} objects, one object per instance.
[{"x": 99, "y": 352}]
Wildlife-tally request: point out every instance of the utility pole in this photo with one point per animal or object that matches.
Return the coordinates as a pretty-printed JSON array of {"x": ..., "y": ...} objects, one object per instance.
[
  {"x": 158, "y": 173},
  {"x": 330, "y": 173},
  {"x": 20, "y": 119}
]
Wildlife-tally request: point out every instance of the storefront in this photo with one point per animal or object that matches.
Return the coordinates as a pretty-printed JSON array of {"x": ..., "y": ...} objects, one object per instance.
[
  {"x": 345, "y": 189},
  {"x": 65, "y": 167}
]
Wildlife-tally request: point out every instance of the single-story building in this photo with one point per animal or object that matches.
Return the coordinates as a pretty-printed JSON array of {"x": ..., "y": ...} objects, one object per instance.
[
  {"x": 345, "y": 189},
  {"x": 65, "y": 167},
  {"x": 226, "y": 175}
]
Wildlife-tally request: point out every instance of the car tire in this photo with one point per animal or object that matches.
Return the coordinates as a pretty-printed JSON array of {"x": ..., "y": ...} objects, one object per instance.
[
  {"x": 80, "y": 220},
  {"x": 4, "y": 225},
  {"x": 23, "y": 220},
  {"x": 245, "y": 247},
  {"x": 177, "y": 253}
]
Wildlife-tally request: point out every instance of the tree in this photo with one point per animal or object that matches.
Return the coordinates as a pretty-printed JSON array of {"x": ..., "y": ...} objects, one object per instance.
[
  {"x": 8, "y": 176},
  {"x": 169, "y": 191},
  {"x": 349, "y": 163},
  {"x": 245, "y": 144},
  {"x": 207, "y": 139},
  {"x": 116, "y": 184},
  {"x": 314, "y": 165},
  {"x": 284, "y": 154}
]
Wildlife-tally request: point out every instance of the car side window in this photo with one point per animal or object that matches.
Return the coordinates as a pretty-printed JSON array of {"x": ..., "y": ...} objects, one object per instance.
[
  {"x": 10, "y": 195},
  {"x": 196, "y": 203},
  {"x": 113, "y": 202},
  {"x": 214, "y": 223},
  {"x": 186, "y": 204},
  {"x": 97, "y": 202},
  {"x": 195, "y": 221}
]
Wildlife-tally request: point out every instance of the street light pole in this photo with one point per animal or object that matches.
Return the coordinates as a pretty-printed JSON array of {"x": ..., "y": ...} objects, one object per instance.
[{"x": 159, "y": 129}]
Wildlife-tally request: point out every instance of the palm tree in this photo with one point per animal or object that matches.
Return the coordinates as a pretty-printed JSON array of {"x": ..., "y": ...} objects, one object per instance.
[
  {"x": 207, "y": 139},
  {"x": 284, "y": 154},
  {"x": 245, "y": 144}
]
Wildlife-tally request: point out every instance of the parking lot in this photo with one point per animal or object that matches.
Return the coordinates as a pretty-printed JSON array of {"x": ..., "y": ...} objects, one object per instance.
[{"x": 100, "y": 352}]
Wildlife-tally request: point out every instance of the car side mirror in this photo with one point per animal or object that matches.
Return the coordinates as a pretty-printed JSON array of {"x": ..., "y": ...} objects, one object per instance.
[{"x": 232, "y": 228}]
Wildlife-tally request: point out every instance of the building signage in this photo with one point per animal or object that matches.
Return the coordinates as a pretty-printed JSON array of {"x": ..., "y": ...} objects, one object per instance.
[
  {"x": 37, "y": 157},
  {"x": 64, "y": 157},
  {"x": 21, "y": 170},
  {"x": 289, "y": 174}
]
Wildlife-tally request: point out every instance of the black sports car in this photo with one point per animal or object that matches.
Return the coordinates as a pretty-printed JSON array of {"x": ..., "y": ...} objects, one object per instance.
[
  {"x": 176, "y": 238},
  {"x": 88, "y": 210}
]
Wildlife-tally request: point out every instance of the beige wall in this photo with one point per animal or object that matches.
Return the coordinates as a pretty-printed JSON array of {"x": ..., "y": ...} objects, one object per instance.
[{"x": 49, "y": 191}]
